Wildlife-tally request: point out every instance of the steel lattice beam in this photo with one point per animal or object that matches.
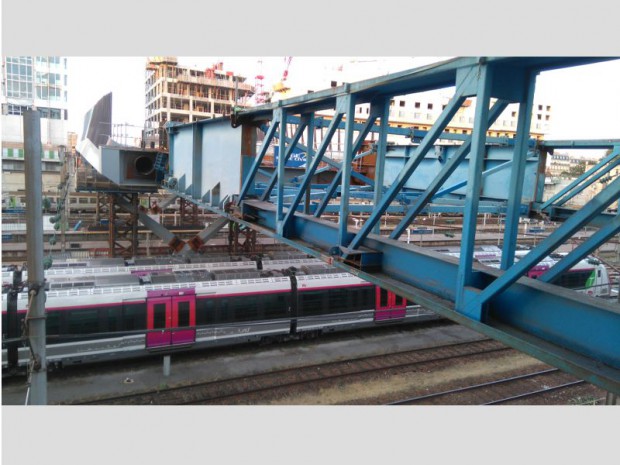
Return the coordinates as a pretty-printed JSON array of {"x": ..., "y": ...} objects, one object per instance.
[{"x": 576, "y": 333}]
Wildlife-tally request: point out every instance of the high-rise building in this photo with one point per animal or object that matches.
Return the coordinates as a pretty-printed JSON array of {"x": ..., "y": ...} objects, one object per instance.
[
  {"x": 180, "y": 94},
  {"x": 33, "y": 82}
]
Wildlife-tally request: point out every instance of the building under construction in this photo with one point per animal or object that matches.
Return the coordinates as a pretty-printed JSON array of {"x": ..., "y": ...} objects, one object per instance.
[{"x": 180, "y": 94}]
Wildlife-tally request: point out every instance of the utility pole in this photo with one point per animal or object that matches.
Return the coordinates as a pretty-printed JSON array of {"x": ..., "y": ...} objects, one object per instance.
[
  {"x": 35, "y": 318},
  {"x": 62, "y": 194}
]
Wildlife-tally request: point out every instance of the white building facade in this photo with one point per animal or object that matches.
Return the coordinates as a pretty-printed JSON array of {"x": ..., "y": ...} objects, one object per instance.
[{"x": 33, "y": 82}]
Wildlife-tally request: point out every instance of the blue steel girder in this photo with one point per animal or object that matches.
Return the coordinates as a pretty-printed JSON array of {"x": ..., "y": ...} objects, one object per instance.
[
  {"x": 426, "y": 78},
  {"x": 561, "y": 214},
  {"x": 445, "y": 173},
  {"x": 581, "y": 182},
  {"x": 465, "y": 274},
  {"x": 318, "y": 156},
  {"x": 574, "y": 332},
  {"x": 553, "y": 324},
  {"x": 249, "y": 180},
  {"x": 326, "y": 159},
  {"x": 548, "y": 245},
  {"x": 541, "y": 319},
  {"x": 282, "y": 160},
  {"x": 415, "y": 135},
  {"x": 593, "y": 242},
  {"x": 376, "y": 110},
  {"x": 443, "y": 120},
  {"x": 518, "y": 173}
]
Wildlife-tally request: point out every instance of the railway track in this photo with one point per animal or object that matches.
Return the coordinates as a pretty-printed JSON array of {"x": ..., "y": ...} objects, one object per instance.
[
  {"x": 502, "y": 391},
  {"x": 258, "y": 388}
]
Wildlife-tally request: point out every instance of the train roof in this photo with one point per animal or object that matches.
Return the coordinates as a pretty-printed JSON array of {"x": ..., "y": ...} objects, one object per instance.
[
  {"x": 210, "y": 287},
  {"x": 166, "y": 273}
]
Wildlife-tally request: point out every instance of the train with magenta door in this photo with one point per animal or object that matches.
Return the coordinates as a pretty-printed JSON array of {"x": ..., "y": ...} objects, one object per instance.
[{"x": 114, "y": 313}]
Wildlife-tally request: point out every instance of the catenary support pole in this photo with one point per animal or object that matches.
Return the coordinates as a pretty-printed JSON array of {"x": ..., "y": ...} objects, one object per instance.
[{"x": 35, "y": 318}]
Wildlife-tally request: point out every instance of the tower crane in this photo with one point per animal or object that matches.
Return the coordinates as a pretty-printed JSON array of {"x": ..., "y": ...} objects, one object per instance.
[{"x": 281, "y": 86}]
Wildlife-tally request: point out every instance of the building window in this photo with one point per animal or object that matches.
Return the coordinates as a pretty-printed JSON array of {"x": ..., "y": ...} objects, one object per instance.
[
  {"x": 50, "y": 113},
  {"x": 540, "y": 107},
  {"x": 11, "y": 109},
  {"x": 430, "y": 106},
  {"x": 334, "y": 84},
  {"x": 417, "y": 104},
  {"x": 19, "y": 77},
  {"x": 514, "y": 114},
  {"x": 402, "y": 103},
  {"x": 548, "y": 107}
]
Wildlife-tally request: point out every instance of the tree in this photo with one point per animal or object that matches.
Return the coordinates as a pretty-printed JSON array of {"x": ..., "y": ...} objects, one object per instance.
[{"x": 575, "y": 170}]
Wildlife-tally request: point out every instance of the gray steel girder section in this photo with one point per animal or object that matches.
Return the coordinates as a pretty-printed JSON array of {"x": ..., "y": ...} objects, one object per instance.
[
  {"x": 203, "y": 236},
  {"x": 160, "y": 231}
]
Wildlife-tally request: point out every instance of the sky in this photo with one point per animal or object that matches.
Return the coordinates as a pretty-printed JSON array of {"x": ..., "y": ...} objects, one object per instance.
[
  {"x": 322, "y": 27},
  {"x": 585, "y": 99}
]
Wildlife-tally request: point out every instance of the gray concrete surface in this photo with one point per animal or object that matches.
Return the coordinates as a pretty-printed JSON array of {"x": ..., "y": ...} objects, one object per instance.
[{"x": 246, "y": 360}]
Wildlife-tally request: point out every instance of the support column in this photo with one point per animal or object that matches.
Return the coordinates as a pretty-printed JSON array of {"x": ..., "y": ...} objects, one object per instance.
[
  {"x": 517, "y": 175},
  {"x": 111, "y": 226},
  {"x": 380, "y": 160},
  {"x": 35, "y": 318},
  {"x": 281, "y": 170},
  {"x": 309, "y": 119},
  {"x": 476, "y": 162},
  {"x": 346, "y": 105}
]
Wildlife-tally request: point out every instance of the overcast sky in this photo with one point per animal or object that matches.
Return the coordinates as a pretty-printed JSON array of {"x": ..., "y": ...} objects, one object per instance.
[{"x": 585, "y": 100}]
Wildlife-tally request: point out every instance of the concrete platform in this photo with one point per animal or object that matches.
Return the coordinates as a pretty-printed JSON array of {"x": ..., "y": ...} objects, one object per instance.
[{"x": 74, "y": 385}]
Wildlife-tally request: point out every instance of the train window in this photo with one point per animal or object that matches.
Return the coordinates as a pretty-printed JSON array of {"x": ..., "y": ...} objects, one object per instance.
[
  {"x": 224, "y": 313},
  {"x": 183, "y": 314},
  {"x": 134, "y": 317},
  {"x": 313, "y": 302},
  {"x": 338, "y": 301},
  {"x": 52, "y": 323},
  {"x": 383, "y": 298},
  {"x": 574, "y": 279},
  {"x": 368, "y": 298},
  {"x": 205, "y": 313},
  {"x": 275, "y": 305},
  {"x": 354, "y": 300},
  {"x": 83, "y": 321},
  {"x": 112, "y": 318},
  {"x": 245, "y": 308},
  {"x": 159, "y": 316}
]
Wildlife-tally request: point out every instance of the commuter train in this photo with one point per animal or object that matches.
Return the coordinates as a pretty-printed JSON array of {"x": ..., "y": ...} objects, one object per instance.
[
  {"x": 589, "y": 276},
  {"x": 171, "y": 307}
]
